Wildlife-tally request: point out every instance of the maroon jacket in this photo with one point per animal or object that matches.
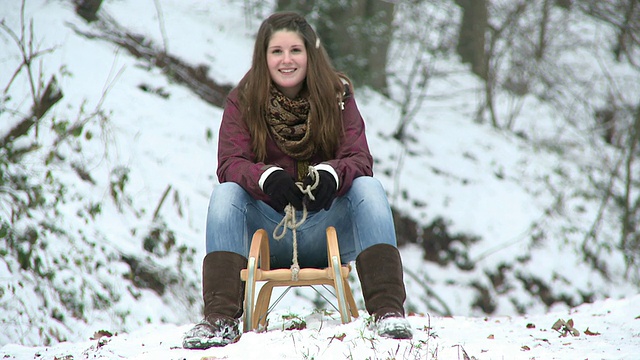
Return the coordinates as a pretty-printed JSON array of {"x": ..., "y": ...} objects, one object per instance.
[{"x": 236, "y": 160}]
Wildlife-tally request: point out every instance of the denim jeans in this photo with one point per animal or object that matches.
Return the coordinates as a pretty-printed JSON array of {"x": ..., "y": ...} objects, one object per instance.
[{"x": 362, "y": 218}]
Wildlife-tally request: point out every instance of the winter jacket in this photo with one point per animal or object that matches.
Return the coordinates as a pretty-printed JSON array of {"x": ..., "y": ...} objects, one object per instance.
[{"x": 236, "y": 159}]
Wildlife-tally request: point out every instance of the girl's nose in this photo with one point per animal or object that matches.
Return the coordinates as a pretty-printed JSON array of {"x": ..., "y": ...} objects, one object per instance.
[{"x": 287, "y": 57}]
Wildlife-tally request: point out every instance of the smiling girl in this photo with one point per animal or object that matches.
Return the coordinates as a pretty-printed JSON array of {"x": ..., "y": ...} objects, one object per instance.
[{"x": 291, "y": 113}]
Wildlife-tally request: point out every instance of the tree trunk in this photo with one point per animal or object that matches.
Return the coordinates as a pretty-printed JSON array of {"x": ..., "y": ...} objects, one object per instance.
[
  {"x": 625, "y": 33},
  {"x": 301, "y": 6},
  {"x": 471, "y": 38},
  {"x": 378, "y": 48},
  {"x": 544, "y": 24},
  {"x": 88, "y": 9}
]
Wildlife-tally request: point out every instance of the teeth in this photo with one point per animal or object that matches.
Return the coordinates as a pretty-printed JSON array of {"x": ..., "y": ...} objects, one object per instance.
[{"x": 287, "y": 71}]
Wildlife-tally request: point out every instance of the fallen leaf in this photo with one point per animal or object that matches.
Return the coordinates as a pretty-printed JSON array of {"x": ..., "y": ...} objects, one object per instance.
[
  {"x": 100, "y": 334},
  {"x": 558, "y": 325},
  {"x": 296, "y": 325},
  {"x": 565, "y": 328},
  {"x": 525, "y": 348},
  {"x": 591, "y": 333},
  {"x": 531, "y": 326},
  {"x": 491, "y": 337}
]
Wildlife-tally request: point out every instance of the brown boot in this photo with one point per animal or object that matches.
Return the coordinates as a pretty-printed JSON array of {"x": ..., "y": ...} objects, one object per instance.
[
  {"x": 223, "y": 294},
  {"x": 380, "y": 271}
]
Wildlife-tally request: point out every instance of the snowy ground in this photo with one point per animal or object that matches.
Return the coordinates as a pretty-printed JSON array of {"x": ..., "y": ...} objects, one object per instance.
[{"x": 607, "y": 330}]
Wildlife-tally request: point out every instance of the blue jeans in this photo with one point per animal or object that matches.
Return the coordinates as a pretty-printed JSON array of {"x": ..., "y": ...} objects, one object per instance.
[{"x": 362, "y": 218}]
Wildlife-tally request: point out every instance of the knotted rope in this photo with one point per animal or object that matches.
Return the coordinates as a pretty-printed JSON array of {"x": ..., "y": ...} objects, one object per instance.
[{"x": 289, "y": 220}]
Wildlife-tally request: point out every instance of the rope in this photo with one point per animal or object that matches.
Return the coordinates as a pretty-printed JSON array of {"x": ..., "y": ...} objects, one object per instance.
[{"x": 289, "y": 220}]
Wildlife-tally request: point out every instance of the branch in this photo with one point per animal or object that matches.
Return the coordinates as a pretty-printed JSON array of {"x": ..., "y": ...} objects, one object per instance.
[
  {"x": 52, "y": 94},
  {"x": 193, "y": 77}
]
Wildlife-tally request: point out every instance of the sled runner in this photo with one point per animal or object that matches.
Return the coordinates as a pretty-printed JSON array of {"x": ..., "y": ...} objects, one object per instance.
[{"x": 259, "y": 269}]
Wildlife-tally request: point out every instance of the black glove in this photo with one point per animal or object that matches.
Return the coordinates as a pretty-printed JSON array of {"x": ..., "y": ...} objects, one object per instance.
[
  {"x": 324, "y": 193},
  {"x": 282, "y": 190}
]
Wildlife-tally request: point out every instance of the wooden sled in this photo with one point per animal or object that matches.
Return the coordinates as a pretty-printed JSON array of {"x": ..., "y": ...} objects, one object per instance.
[{"x": 259, "y": 269}]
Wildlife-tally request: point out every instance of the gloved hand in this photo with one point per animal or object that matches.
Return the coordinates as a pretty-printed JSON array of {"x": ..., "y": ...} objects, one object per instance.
[
  {"x": 282, "y": 190},
  {"x": 324, "y": 193}
]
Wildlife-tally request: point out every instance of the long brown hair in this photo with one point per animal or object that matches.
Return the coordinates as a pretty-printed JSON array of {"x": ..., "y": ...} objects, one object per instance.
[{"x": 323, "y": 84}]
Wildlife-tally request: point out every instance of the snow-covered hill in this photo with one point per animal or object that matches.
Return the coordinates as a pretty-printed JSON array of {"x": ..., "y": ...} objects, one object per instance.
[{"x": 118, "y": 242}]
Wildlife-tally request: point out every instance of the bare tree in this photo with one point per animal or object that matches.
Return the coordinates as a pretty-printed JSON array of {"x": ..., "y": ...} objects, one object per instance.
[
  {"x": 624, "y": 16},
  {"x": 421, "y": 38},
  {"x": 630, "y": 232}
]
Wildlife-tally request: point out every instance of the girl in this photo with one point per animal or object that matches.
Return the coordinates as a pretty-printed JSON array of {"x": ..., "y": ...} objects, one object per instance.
[{"x": 289, "y": 112}]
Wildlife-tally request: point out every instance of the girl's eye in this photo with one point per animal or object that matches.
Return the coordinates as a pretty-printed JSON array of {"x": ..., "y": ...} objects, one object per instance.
[
  {"x": 296, "y": 51},
  {"x": 276, "y": 51}
]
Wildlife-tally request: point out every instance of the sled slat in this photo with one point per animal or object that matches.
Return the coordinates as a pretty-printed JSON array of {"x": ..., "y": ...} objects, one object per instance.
[{"x": 285, "y": 274}]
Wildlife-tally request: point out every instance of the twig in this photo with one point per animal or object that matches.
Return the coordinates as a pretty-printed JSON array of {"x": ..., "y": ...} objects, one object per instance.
[
  {"x": 164, "y": 196},
  {"x": 430, "y": 293},
  {"x": 163, "y": 32}
]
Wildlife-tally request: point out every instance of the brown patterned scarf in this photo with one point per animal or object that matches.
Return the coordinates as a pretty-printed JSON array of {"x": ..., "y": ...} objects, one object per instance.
[{"x": 288, "y": 121}]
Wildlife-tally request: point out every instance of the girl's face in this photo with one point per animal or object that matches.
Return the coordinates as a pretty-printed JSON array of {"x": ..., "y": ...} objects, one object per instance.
[{"x": 287, "y": 61}]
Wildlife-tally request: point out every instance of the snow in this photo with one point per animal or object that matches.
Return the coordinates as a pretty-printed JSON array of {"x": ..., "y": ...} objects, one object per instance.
[
  {"x": 487, "y": 182},
  {"x": 608, "y": 329}
]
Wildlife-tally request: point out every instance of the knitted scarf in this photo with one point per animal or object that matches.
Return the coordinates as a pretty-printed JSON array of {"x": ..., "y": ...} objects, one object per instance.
[{"x": 288, "y": 122}]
